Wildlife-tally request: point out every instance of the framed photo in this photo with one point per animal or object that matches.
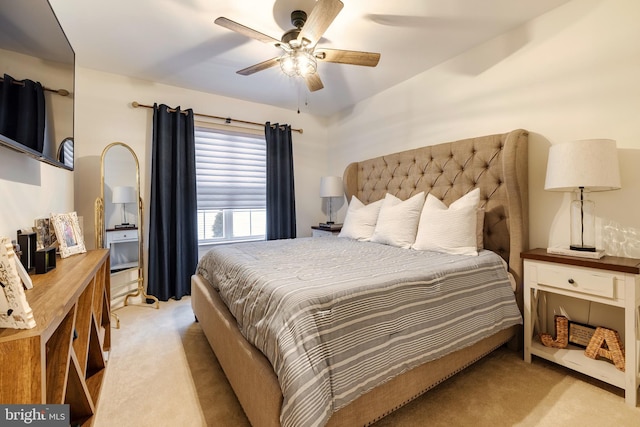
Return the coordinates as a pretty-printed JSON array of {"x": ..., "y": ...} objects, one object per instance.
[
  {"x": 580, "y": 334},
  {"x": 45, "y": 233},
  {"x": 68, "y": 233},
  {"x": 14, "y": 308}
]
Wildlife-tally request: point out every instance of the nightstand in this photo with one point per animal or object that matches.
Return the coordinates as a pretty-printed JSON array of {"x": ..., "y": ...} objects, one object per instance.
[
  {"x": 123, "y": 243},
  {"x": 603, "y": 292},
  {"x": 323, "y": 232}
]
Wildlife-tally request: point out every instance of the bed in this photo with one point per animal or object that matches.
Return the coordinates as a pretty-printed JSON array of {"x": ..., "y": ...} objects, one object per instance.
[{"x": 496, "y": 164}]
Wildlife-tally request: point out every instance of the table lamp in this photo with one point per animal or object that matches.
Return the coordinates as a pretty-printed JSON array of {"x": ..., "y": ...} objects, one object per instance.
[
  {"x": 330, "y": 187},
  {"x": 123, "y": 195},
  {"x": 581, "y": 167}
]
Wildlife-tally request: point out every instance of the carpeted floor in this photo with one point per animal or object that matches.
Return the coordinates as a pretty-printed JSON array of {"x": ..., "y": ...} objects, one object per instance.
[{"x": 162, "y": 372}]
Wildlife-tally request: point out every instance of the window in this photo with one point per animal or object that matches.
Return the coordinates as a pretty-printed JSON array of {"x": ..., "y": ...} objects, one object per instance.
[{"x": 231, "y": 181}]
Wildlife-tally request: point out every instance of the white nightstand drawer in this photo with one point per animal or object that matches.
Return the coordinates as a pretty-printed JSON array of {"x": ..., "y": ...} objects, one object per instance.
[
  {"x": 585, "y": 281},
  {"x": 122, "y": 236},
  {"x": 325, "y": 232}
]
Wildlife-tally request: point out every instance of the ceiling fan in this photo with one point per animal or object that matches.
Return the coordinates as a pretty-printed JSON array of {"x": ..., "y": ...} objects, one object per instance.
[{"x": 300, "y": 53}]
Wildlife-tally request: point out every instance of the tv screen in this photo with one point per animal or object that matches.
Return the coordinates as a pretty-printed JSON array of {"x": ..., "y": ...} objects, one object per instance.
[{"x": 37, "y": 65}]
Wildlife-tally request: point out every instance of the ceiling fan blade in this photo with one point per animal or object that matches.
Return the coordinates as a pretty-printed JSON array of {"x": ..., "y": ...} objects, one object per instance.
[
  {"x": 322, "y": 15},
  {"x": 246, "y": 31},
  {"x": 313, "y": 82},
  {"x": 259, "y": 67},
  {"x": 353, "y": 57}
]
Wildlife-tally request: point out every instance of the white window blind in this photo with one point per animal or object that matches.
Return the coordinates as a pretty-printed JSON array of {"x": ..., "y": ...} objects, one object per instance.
[{"x": 230, "y": 170}]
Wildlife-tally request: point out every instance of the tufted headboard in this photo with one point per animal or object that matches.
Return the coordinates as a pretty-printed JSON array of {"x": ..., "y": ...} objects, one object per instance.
[{"x": 497, "y": 164}]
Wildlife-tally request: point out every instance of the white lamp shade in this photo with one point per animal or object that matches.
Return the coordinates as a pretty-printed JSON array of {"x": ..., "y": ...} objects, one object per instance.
[
  {"x": 331, "y": 186},
  {"x": 123, "y": 195},
  {"x": 588, "y": 163}
]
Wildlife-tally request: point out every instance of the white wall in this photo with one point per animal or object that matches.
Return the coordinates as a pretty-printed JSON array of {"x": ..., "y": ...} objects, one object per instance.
[
  {"x": 104, "y": 115},
  {"x": 30, "y": 189},
  {"x": 570, "y": 74}
]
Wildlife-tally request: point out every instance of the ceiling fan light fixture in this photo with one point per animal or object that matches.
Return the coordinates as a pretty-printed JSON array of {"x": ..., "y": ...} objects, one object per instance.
[
  {"x": 299, "y": 62},
  {"x": 299, "y": 57}
]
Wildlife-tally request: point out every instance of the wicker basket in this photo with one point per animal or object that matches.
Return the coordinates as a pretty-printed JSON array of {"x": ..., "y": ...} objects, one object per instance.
[
  {"x": 562, "y": 334},
  {"x": 606, "y": 344}
]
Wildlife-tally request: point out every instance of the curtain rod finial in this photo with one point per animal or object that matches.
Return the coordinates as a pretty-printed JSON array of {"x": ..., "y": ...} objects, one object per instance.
[{"x": 135, "y": 104}]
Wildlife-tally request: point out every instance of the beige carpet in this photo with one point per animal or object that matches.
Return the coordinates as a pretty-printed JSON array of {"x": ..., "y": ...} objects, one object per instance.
[{"x": 162, "y": 373}]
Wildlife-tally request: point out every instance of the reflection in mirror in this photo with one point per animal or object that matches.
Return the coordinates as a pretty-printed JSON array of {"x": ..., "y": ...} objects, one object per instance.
[
  {"x": 65, "y": 153},
  {"x": 119, "y": 222},
  {"x": 120, "y": 189}
]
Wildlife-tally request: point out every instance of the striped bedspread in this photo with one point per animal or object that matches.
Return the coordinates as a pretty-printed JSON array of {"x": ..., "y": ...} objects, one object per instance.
[{"x": 336, "y": 317}]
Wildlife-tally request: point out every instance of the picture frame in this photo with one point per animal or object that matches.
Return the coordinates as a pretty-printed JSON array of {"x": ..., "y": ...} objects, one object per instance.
[
  {"x": 580, "y": 334},
  {"x": 45, "y": 233},
  {"x": 15, "y": 311},
  {"x": 24, "y": 276},
  {"x": 68, "y": 234}
]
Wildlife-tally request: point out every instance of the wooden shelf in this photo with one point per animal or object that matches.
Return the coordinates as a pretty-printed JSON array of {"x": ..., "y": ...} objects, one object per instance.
[
  {"x": 63, "y": 359},
  {"x": 573, "y": 357}
]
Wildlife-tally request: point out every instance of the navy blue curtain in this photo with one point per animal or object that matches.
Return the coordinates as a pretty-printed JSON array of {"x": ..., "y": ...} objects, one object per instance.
[
  {"x": 22, "y": 112},
  {"x": 173, "y": 232},
  {"x": 281, "y": 204}
]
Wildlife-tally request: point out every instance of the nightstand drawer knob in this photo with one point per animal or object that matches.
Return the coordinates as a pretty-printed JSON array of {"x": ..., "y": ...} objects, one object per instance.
[{"x": 571, "y": 281}]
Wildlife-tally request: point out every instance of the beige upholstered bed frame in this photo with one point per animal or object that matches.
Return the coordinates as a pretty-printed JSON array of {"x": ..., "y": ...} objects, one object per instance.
[{"x": 497, "y": 164}]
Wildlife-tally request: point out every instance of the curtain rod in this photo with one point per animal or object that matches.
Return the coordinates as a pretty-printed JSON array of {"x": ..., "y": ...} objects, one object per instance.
[
  {"x": 227, "y": 120},
  {"x": 61, "y": 92}
]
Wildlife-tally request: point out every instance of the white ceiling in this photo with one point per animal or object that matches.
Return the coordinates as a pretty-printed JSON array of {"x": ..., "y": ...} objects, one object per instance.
[{"x": 176, "y": 42}]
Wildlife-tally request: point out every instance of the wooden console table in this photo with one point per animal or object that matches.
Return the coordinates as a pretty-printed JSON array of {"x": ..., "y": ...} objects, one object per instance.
[{"x": 63, "y": 359}]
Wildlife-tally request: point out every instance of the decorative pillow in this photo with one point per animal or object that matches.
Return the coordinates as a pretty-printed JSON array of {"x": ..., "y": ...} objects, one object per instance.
[
  {"x": 360, "y": 220},
  {"x": 398, "y": 221},
  {"x": 453, "y": 229}
]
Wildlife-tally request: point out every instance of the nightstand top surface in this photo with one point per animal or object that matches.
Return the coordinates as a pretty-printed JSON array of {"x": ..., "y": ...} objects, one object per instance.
[
  {"x": 337, "y": 227},
  {"x": 133, "y": 227},
  {"x": 611, "y": 263}
]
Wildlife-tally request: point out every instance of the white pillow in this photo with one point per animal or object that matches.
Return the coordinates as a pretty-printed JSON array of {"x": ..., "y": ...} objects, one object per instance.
[
  {"x": 360, "y": 220},
  {"x": 451, "y": 230},
  {"x": 398, "y": 221}
]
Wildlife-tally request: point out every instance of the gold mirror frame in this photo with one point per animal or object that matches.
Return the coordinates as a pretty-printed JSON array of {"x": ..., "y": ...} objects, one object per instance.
[{"x": 100, "y": 226}]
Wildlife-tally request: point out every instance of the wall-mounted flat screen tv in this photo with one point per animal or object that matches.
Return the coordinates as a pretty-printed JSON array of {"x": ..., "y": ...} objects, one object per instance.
[{"x": 37, "y": 65}]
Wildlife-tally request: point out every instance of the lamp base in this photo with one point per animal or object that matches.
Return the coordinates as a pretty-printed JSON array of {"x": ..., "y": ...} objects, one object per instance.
[
  {"x": 597, "y": 254},
  {"x": 582, "y": 248}
]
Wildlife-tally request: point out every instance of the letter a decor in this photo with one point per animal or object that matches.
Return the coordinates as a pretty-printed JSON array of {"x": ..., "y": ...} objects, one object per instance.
[{"x": 606, "y": 343}]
